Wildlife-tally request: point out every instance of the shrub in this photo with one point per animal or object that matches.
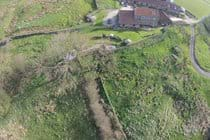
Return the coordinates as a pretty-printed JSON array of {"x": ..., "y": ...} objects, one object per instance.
[
  {"x": 4, "y": 103},
  {"x": 206, "y": 23},
  {"x": 11, "y": 80}
]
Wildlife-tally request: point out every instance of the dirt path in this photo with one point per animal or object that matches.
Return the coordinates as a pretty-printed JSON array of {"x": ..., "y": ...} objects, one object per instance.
[
  {"x": 102, "y": 120},
  {"x": 194, "y": 60}
]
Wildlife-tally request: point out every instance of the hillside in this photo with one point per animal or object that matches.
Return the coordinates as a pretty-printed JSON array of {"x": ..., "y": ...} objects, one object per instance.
[
  {"x": 154, "y": 88},
  {"x": 63, "y": 78},
  {"x": 203, "y": 43},
  {"x": 199, "y": 8},
  {"x": 44, "y": 99},
  {"x": 30, "y": 15}
]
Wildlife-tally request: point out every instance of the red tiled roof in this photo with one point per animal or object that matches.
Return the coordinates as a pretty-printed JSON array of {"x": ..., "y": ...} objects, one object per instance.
[
  {"x": 161, "y": 3},
  {"x": 126, "y": 17},
  {"x": 143, "y": 11}
]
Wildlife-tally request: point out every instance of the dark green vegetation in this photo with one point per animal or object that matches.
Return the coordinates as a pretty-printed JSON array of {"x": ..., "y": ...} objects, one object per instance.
[
  {"x": 6, "y": 15},
  {"x": 41, "y": 96},
  {"x": 52, "y": 14},
  {"x": 203, "y": 43},
  {"x": 96, "y": 35},
  {"x": 151, "y": 85},
  {"x": 28, "y": 15},
  {"x": 155, "y": 90}
]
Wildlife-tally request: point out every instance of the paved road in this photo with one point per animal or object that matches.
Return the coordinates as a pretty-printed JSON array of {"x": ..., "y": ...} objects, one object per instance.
[{"x": 194, "y": 60}]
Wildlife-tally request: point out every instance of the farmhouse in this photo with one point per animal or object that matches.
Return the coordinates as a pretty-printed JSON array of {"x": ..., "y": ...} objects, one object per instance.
[
  {"x": 141, "y": 16},
  {"x": 164, "y": 5}
]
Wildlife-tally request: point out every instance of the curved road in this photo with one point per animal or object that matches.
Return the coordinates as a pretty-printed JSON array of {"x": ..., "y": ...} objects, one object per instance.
[{"x": 194, "y": 60}]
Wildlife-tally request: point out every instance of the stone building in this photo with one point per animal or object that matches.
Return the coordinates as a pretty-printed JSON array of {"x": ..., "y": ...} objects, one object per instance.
[
  {"x": 164, "y": 5},
  {"x": 141, "y": 16}
]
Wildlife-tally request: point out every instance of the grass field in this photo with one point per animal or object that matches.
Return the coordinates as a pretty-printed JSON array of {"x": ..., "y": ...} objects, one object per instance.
[
  {"x": 153, "y": 87},
  {"x": 199, "y": 8},
  {"x": 203, "y": 53},
  {"x": 31, "y": 47},
  {"x": 133, "y": 35},
  {"x": 45, "y": 115},
  {"x": 30, "y": 15},
  {"x": 6, "y": 15},
  {"x": 40, "y": 14},
  {"x": 203, "y": 44},
  {"x": 142, "y": 83},
  {"x": 146, "y": 93},
  {"x": 108, "y": 4},
  {"x": 40, "y": 108}
]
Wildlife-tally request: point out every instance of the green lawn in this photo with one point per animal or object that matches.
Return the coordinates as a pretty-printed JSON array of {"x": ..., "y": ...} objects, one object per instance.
[{"x": 199, "y": 8}]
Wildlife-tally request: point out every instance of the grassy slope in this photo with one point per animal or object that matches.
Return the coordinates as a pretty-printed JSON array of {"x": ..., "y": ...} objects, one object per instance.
[
  {"x": 108, "y": 4},
  {"x": 31, "y": 47},
  {"x": 7, "y": 14},
  {"x": 126, "y": 34},
  {"x": 203, "y": 45},
  {"x": 134, "y": 36},
  {"x": 203, "y": 53},
  {"x": 69, "y": 121},
  {"x": 37, "y": 14},
  {"x": 136, "y": 83},
  {"x": 199, "y": 8},
  {"x": 42, "y": 108},
  {"x": 139, "y": 82}
]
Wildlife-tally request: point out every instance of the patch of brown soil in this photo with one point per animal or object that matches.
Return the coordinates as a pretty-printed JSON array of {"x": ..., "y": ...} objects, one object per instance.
[{"x": 102, "y": 119}]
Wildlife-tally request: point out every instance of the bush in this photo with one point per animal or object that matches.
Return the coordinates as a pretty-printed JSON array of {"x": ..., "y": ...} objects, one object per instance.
[
  {"x": 206, "y": 23},
  {"x": 11, "y": 80},
  {"x": 4, "y": 103}
]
